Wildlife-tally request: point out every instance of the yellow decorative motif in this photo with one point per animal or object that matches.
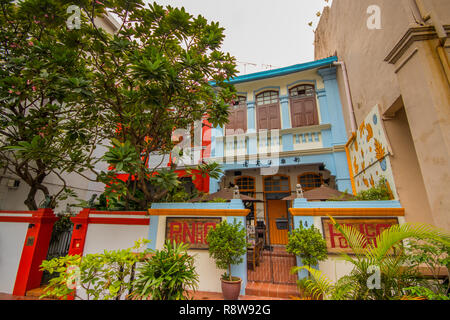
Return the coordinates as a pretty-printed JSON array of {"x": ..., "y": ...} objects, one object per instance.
[
  {"x": 391, "y": 195},
  {"x": 361, "y": 129},
  {"x": 379, "y": 150},
  {"x": 366, "y": 182},
  {"x": 369, "y": 132},
  {"x": 355, "y": 165}
]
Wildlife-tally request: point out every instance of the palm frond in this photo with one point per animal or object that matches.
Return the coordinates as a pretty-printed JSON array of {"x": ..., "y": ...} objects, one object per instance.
[
  {"x": 320, "y": 286},
  {"x": 397, "y": 233},
  {"x": 355, "y": 239}
]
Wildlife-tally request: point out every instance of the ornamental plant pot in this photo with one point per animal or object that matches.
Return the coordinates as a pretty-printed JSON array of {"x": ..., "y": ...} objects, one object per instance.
[{"x": 231, "y": 289}]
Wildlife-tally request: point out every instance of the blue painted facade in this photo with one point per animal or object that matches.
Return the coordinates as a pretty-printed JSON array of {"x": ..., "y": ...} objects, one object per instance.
[
  {"x": 332, "y": 131},
  {"x": 332, "y": 137}
]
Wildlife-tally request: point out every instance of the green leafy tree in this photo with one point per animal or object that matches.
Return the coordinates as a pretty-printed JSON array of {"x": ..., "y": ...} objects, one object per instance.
[
  {"x": 308, "y": 244},
  {"x": 48, "y": 118},
  {"x": 227, "y": 245},
  {"x": 152, "y": 77},
  {"x": 168, "y": 275}
]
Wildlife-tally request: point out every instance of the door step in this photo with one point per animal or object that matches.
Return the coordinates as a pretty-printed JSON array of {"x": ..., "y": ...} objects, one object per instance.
[
  {"x": 37, "y": 292},
  {"x": 266, "y": 289}
]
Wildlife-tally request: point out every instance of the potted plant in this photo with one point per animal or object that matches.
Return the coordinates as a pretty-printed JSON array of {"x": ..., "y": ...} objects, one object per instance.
[
  {"x": 227, "y": 245},
  {"x": 309, "y": 245}
]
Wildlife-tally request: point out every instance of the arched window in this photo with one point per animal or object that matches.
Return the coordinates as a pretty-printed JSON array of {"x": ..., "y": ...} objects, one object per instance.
[
  {"x": 310, "y": 180},
  {"x": 241, "y": 100},
  {"x": 276, "y": 184},
  {"x": 303, "y": 106},
  {"x": 268, "y": 110},
  {"x": 267, "y": 97},
  {"x": 302, "y": 91}
]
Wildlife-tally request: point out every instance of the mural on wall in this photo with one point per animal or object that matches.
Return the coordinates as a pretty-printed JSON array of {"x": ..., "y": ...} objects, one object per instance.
[{"x": 369, "y": 153}]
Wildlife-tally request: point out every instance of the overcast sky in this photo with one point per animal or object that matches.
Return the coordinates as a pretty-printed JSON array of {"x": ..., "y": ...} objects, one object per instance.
[{"x": 268, "y": 33}]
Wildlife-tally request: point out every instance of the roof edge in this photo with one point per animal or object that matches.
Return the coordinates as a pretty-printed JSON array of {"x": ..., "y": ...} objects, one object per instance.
[{"x": 281, "y": 71}]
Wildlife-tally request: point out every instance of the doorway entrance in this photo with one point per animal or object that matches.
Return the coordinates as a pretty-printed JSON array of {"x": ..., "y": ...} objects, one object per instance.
[
  {"x": 277, "y": 218},
  {"x": 275, "y": 263}
]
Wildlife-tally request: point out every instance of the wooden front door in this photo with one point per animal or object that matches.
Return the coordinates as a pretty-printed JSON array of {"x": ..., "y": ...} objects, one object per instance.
[{"x": 277, "y": 209}]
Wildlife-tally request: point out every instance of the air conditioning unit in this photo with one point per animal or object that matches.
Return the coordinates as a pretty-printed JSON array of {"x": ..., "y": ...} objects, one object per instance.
[{"x": 13, "y": 183}]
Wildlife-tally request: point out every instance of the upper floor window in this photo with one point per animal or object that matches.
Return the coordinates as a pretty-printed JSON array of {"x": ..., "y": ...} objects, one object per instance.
[
  {"x": 302, "y": 91},
  {"x": 267, "y": 97},
  {"x": 240, "y": 101},
  {"x": 310, "y": 180},
  {"x": 268, "y": 110},
  {"x": 237, "y": 119},
  {"x": 303, "y": 106}
]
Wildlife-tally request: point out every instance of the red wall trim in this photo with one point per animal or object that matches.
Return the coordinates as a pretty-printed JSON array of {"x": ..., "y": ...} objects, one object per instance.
[
  {"x": 130, "y": 213},
  {"x": 16, "y": 211},
  {"x": 19, "y": 219},
  {"x": 125, "y": 221}
]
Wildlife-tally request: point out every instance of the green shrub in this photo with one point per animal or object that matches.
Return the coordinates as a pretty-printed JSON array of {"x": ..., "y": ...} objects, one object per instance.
[
  {"x": 104, "y": 276},
  {"x": 379, "y": 192},
  {"x": 167, "y": 275},
  {"x": 227, "y": 245},
  {"x": 308, "y": 244}
]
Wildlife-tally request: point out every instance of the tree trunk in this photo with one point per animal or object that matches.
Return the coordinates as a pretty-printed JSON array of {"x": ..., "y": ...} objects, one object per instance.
[{"x": 30, "y": 201}]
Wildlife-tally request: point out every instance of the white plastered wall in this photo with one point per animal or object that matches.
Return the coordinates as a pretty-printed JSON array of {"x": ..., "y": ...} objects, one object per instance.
[
  {"x": 209, "y": 274},
  {"x": 12, "y": 237}
]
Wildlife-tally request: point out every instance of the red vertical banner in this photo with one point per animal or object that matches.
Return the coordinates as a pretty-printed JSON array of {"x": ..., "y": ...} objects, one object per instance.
[{"x": 34, "y": 251}]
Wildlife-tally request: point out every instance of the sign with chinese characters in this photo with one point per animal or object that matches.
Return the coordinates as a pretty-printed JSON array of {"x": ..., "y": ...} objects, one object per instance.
[
  {"x": 369, "y": 227},
  {"x": 192, "y": 231}
]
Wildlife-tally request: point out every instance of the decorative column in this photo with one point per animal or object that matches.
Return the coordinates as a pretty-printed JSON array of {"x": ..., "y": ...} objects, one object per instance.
[
  {"x": 34, "y": 251},
  {"x": 251, "y": 128},
  {"x": 286, "y": 139}
]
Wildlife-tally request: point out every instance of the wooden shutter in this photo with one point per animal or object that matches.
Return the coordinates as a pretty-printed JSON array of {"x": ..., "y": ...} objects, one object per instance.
[
  {"x": 304, "y": 112},
  {"x": 237, "y": 120},
  {"x": 263, "y": 117},
  {"x": 274, "y": 116},
  {"x": 230, "y": 126},
  {"x": 241, "y": 119},
  {"x": 269, "y": 117}
]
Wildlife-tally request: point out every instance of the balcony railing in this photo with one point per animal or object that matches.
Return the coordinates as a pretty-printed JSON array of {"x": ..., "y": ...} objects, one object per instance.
[{"x": 270, "y": 142}]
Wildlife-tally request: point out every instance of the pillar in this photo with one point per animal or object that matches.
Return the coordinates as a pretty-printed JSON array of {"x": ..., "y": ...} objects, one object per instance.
[{"x": 34, "y": 251}]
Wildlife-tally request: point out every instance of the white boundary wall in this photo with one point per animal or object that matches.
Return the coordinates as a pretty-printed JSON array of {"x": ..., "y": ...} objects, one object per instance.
[
  {"x": 12, "y": 238},
  {"x": 209, "y": 274},
  {"x": 101, "y": 237}
]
